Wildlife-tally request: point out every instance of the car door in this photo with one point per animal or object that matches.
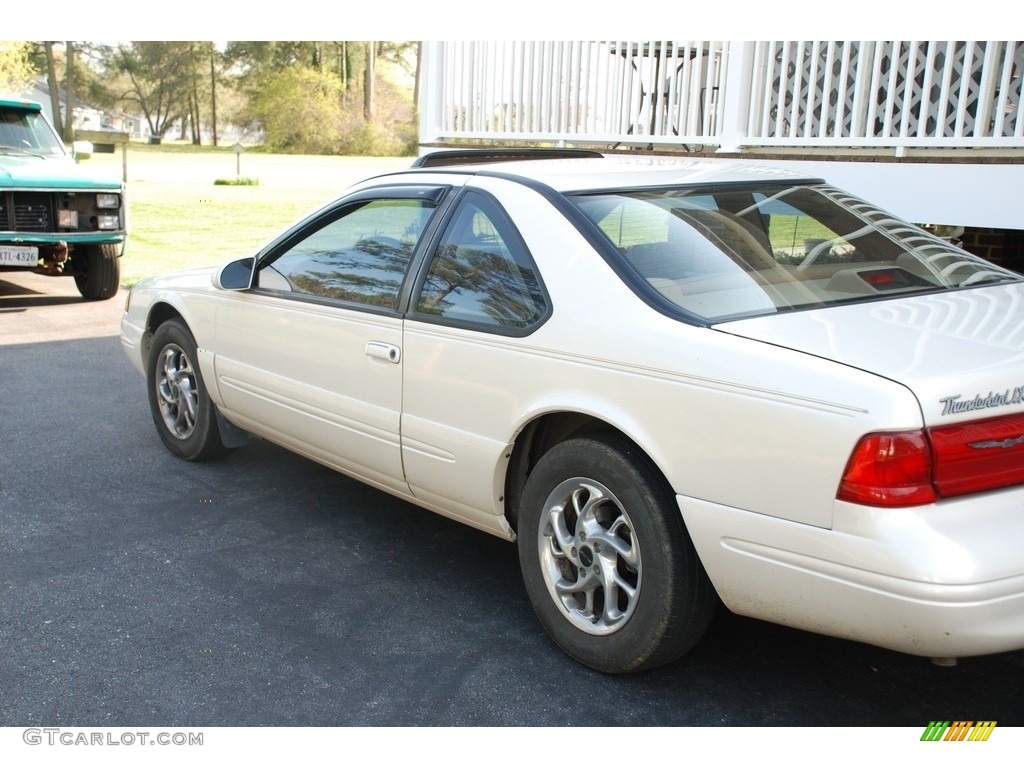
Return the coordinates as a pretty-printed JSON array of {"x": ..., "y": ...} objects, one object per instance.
[
  {"x": 479, "y": 299},
  {"x": 310, "y": 356}
]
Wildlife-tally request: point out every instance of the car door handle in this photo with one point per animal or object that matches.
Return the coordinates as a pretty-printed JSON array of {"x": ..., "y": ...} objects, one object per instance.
[{"x": 383, "y": 351}]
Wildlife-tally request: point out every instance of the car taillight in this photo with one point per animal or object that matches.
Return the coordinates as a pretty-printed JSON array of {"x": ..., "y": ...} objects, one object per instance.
[
  {"x": 902, "y": 469},
  {"x": 978, "y": 455},
  {"x": 891, "y": 469}
]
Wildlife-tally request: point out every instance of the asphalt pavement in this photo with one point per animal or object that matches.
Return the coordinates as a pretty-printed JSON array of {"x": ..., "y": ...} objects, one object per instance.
[{"x": 262, "y": 589}]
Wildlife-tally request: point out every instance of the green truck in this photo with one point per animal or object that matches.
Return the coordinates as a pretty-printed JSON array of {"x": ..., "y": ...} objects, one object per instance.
[{"x": 57, "y": 218}]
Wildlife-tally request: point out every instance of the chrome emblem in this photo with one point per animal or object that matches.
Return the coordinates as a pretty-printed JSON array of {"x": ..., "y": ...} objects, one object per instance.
[
  {"x": 952, "y": 404},
  {"x": 1007, "y": 443}
]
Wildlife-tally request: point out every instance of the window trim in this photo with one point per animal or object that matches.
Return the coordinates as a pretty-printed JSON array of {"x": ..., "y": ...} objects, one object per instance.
[
  {"x": 515, "y": 240},
  {"x": 324, "y": 216}
]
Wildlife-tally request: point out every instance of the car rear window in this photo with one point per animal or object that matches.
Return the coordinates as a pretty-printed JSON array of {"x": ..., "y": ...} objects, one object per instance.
[{"x": 744, "y": 251}]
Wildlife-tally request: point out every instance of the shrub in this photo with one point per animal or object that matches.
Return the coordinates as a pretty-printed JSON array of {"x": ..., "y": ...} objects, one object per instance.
[{"x": 241, "y": 181}]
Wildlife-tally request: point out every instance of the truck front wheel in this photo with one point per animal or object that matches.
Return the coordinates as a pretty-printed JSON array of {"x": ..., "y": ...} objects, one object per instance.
[{"x": 98, "y": 270}]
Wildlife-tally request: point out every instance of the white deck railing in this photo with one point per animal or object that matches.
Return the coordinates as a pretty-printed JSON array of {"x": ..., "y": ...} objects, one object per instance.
[{"x": 725, "y": 95}]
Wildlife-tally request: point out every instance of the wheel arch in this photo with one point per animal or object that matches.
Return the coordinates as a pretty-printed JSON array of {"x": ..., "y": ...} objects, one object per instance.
[
  {"x": 543, "y": 433},
  {"x": 159, "y": 313},
  {"x": 607, "y": 562},
  {"x": 186, "y": 417}
]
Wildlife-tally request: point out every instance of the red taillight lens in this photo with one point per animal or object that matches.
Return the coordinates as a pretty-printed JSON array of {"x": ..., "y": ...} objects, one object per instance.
[
  {"x": 891, "y": 469},
  {"x": 979, "y": 455},
  {"x": 901, "y": 469}
]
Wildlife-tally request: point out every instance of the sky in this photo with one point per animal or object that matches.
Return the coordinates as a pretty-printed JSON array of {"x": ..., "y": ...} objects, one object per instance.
[{"x": 522, "y": 19}]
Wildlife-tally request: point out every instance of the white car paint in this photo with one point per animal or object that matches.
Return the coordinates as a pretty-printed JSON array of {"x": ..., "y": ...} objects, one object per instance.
[{"x": 751, "y": 421}]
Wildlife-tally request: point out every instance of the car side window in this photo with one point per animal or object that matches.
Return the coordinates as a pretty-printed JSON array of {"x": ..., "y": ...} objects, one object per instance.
[
  {"x": 481, "y": 272},
  {"x": 360, "y": 256}
]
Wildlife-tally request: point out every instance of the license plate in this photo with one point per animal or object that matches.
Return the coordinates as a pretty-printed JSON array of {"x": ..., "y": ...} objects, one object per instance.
[{"x": 18, "y": 255}]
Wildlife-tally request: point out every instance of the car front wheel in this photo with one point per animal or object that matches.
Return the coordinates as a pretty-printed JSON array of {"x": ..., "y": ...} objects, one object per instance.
[
  {"x": 185, "y": 417},
  {"x": 606, "y": 560}
]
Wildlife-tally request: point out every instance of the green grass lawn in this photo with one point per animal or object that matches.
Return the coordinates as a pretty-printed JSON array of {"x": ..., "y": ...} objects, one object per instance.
[{"x": 180, "y": 218}]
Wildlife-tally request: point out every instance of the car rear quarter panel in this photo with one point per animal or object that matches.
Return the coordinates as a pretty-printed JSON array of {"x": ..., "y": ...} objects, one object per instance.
[{"x": 955, "y": 345}]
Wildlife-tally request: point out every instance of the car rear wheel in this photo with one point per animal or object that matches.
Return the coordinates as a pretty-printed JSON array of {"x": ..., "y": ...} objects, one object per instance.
[
  {"x": 185, "y": 417},
  {"x": 98, "y": 270},
  {"x": 606, "y": 560}
]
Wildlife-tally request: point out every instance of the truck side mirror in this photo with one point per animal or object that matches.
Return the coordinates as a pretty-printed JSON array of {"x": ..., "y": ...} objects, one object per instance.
[{"x": 81, "y": 150}]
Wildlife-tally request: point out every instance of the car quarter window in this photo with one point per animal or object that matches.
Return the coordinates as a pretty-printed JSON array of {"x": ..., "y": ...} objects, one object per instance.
[
  {"x": 360, "y": 255},
  {"x": 481, "y": 272}
]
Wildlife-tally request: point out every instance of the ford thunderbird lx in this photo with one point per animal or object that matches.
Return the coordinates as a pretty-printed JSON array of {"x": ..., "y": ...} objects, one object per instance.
[{"x": 675, "y": 384}]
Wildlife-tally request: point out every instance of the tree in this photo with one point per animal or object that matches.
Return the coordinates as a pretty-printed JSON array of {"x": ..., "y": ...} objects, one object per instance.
[
  {"x": 198, "y": 83},
  {"x": 160, "y": 79},
  {"x": 16, "y": 70},
  {"x": 213, "y": 92},
  {"x": 69, "y": 92},
  {"x": 309, "y": 124},
  {"x": 54, "y": 86},
  {"x": 416, "y": 79},
  {"x": 253, "y": 60},
  {"x": 371, "y": 115},
  {"x": 369, "y": 80},
  {"x": 71, "y": 73}
]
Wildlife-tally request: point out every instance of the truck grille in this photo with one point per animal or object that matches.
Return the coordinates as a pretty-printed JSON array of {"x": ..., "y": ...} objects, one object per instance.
[{"x": 27, "y": 212}]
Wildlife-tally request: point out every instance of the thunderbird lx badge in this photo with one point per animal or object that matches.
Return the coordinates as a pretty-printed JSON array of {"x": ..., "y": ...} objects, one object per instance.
[{"x": 956, "y": 403}]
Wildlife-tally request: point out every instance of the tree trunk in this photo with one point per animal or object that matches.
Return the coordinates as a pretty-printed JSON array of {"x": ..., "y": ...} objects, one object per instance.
[
  {"x": 69, "y": 90},
  {"x": 54, "y": 85},
  {"x": 368, "y": 80},
  {"x": 197, "y": 127},
  {"x": 213, "y": 95},
  {"x": 339, "y": 56},
  {"x": 347, "y": 76},
  {"x": 416, "y": 82}
]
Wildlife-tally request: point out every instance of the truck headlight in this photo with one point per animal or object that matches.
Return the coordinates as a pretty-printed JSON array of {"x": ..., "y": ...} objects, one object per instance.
[
  {"x": 108, "y": 221},
  {"x": 108, "y": 201}
]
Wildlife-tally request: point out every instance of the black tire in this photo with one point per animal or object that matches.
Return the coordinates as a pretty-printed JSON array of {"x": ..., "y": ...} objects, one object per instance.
[
  {"x": 98, "y": 270},
  {"x": 607, "y": 562},
  {"x": 184, "y": 415}
]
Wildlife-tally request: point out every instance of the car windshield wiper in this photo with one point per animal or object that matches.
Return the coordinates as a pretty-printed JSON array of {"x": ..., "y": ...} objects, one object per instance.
[{"x": 8, "y": 149}]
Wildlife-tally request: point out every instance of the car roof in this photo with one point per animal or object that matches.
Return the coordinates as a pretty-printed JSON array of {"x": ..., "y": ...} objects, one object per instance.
[
  {"x": 11, "y": 101},
  {"x": 593, "y": 171}
]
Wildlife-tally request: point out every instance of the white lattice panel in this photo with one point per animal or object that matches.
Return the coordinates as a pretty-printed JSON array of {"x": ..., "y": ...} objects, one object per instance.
[{"x": 883, "y": 90}]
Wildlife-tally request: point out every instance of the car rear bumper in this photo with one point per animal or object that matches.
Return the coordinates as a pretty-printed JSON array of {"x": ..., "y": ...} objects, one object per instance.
[{"x": 944, "y": 580}]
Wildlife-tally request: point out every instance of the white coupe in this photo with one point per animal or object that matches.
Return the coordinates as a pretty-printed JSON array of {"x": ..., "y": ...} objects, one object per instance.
[{"x": 674, "y": 382}]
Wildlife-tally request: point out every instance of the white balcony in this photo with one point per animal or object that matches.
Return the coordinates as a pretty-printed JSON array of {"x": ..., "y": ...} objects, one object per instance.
[
  {"x": 728, "y": 95},
  {"x": 945, "y": 115}
]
